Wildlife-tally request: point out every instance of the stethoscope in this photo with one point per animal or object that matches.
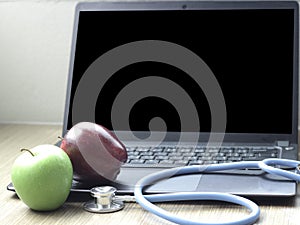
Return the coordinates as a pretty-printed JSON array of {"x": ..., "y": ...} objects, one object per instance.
[{"x": 105, "y": 199}]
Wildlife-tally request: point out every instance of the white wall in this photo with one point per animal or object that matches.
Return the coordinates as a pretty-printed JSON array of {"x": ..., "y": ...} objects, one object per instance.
[
  {"x": 35, "y": 45},
  {"x": 35, "y": 39}
]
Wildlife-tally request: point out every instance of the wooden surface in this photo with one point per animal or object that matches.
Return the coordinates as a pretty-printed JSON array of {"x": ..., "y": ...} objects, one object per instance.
[{"x": 12, "y": 211}]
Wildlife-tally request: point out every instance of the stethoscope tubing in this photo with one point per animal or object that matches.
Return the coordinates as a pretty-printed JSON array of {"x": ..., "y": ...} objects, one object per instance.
[
  {"x": 265, "y": 166},
  {"x": 146, "y": 201}
]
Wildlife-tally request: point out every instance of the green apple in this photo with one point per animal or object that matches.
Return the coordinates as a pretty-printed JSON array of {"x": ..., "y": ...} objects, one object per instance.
[{"x": 42, "y": 177}]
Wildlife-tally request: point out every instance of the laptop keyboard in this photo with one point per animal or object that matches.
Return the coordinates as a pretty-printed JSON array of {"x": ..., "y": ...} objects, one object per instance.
[{"x": 182, "y": 156}]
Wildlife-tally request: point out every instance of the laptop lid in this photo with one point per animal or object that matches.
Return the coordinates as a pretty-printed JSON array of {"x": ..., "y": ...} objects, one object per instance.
[
  {"x": 132, "y": 70},
  {"x": 189, "y": 73}
]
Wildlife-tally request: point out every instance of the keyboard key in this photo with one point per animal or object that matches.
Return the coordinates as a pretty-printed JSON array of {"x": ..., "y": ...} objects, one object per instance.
[
  {"x": 199, "y": 150},
  {"x": 146, "y": 153},
  {"x": 174, "y": 154},
  {"x": 266, "y": 155},
  {"x": 210, "y": 162},
  {"x": 253, "y": 158},
  {"x": 246, "y": 155},
  {"x": 143, "y": 149},
  {"x": 157, "y": 149},
  {"x": 166, "y": 162},
  {"x": 188, "y": 154},
  {"x": 235, "y": 159},
  {"x": 176, "y": 158},
  {"x": 185, "y": 150},
  {"x": 213, "y": 150},
  {"x": 191, "y": 158},
  {"x": 151, "y": 161},
  {"x": 130, "y": 149},
  {"x": 133, "y": 153},
  {"x": 160, "y": 157},
  {"x": 206, "y": 158},
  {"x": 220, "y": 158},
  {"x": 226, "y": 150},
  {"x": 137, "y": 161},
  {"x": 197, "y": 162},
  {"x": 182, "y": 162},
  {"x": 147, "y": 157},
  {"x": 170, "y": 150},
  {"x": 258, "y": 149},
  {"x": 160, "y": 153},
  {"x": 133, "y": 157},
  {"x": 241, "y": 151}
]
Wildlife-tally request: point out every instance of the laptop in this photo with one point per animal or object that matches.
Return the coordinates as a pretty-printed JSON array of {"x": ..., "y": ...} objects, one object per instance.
[{"x": 189, "y": 83}]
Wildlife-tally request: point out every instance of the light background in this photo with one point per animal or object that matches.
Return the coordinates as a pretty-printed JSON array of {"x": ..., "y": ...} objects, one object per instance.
[{"x": 35, "y": 40}]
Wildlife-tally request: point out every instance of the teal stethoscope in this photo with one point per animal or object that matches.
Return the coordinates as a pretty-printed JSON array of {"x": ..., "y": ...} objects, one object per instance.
[{"x": 106, "y": 201}]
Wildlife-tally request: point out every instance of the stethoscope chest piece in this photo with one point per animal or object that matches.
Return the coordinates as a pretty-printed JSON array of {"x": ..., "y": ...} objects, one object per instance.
[{"x": 104, "y": 200}]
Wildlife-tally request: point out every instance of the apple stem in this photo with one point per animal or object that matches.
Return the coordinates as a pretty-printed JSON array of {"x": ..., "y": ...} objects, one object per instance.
[
  {"x": 61, "y": 138},
  {"x": 25, "y": 149}
]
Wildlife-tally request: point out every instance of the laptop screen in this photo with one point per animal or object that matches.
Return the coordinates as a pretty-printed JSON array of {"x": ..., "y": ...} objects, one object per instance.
[{"x": 250, "y": 52}]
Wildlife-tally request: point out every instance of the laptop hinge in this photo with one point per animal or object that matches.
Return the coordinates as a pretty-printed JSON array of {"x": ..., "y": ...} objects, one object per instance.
[{"x": 283, "y": 143}]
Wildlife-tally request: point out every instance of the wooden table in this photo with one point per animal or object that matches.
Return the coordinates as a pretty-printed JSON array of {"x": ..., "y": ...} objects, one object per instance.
[{"x": 284, "y": 211}]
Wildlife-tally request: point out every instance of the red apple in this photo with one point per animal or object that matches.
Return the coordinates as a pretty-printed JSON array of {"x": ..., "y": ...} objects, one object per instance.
[{"x": 95, "y": 152}]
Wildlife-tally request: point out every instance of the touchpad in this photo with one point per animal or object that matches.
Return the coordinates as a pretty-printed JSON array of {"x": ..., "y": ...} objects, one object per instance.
[
  {"x": 176, "y": 184},
  {"x": 129, "y": 177}
]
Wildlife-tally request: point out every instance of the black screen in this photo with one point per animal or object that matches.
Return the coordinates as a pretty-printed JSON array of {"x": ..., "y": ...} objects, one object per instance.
[{"x": 249, "y": 51}]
